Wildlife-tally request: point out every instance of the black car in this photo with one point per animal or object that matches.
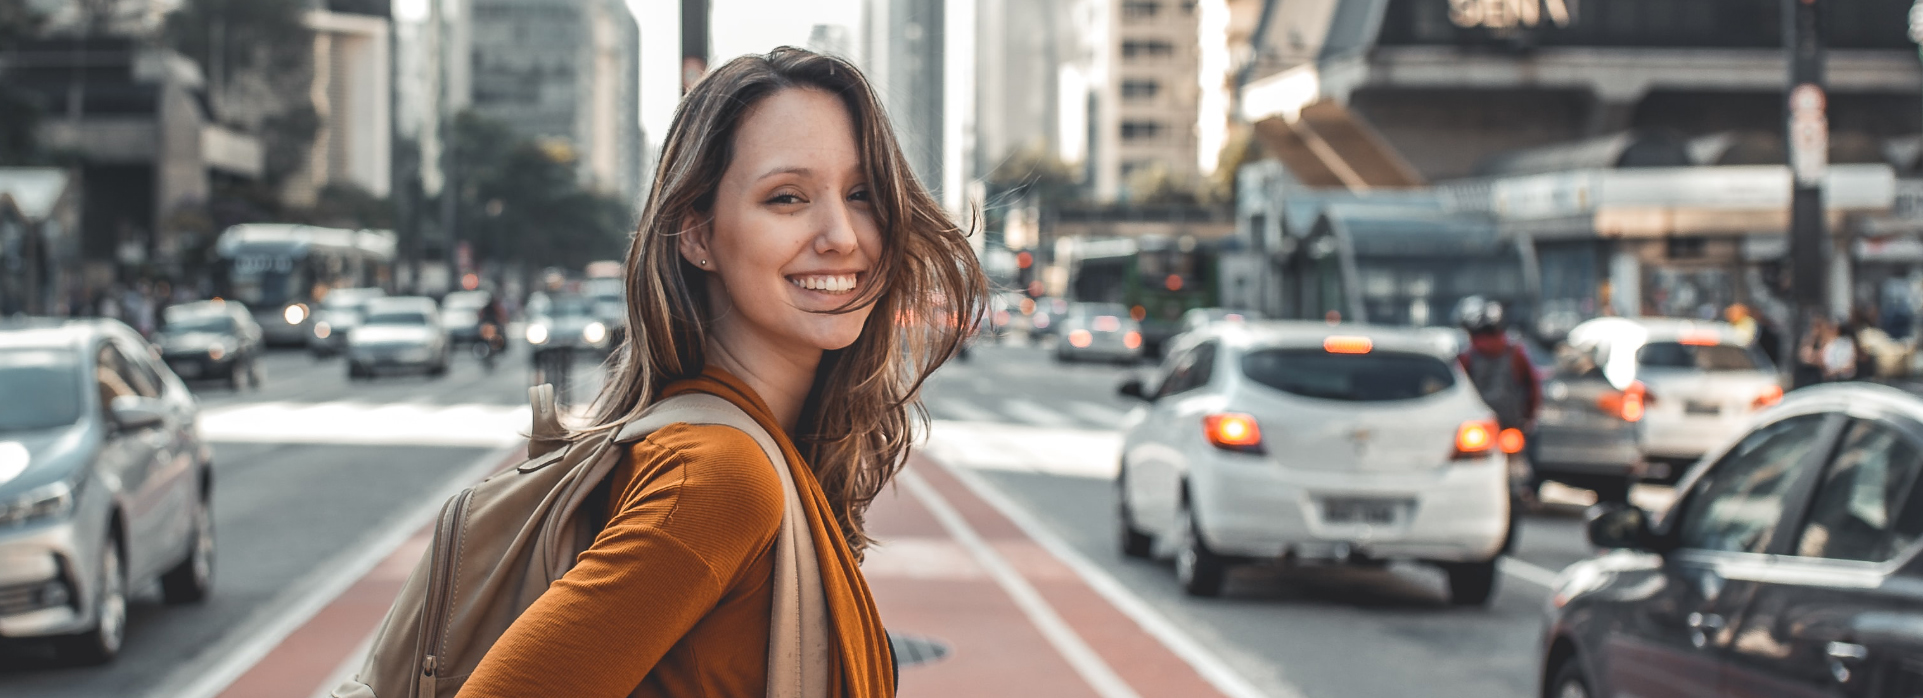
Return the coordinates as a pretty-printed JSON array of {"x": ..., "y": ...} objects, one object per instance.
[
  {"x": 212, "y": 340},
  {"x": 1787, "y": 567}
]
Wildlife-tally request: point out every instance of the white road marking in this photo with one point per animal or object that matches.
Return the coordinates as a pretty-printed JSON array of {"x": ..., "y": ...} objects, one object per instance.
[
  {"x": 1212, "y": 668},
  {"x": 1090, "y": 453},
  {"x": 1083, "y": 658},
  {"x": 1033, "y": 413},
  {"x": 386, "y": 424},
  {"x": 219, "y": 665},
  {"x": 962, "y": 410},
  {"x": 1528, "y": 572},
  {"x": 1098, "y": 415}
]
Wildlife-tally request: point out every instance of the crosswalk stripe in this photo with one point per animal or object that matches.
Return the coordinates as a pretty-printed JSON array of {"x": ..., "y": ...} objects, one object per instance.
[
  {"x": 357, "y": 423},
  {"x": 1098, "y": 415},
  {"x": 961, "y": 410},
  {"x": 1032, "y": 412}
]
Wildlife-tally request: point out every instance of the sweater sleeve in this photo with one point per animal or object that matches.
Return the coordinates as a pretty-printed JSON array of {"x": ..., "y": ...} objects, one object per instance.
[{"x": 701, "y": 506}]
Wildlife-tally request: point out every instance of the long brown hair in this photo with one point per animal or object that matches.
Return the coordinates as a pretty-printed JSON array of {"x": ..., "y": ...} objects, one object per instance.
[{"x": 864, "y": 410}]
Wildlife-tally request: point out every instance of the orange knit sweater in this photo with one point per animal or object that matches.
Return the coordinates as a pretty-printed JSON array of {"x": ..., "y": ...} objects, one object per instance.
[{"x": 675, "y": 593}]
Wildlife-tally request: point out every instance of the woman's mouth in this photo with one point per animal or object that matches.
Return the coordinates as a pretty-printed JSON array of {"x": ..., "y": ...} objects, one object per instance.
[{"x": 832, "y": 284}]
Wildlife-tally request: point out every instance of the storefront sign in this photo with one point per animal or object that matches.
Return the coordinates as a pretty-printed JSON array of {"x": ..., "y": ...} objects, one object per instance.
[{"x": 1509, "y": 14}]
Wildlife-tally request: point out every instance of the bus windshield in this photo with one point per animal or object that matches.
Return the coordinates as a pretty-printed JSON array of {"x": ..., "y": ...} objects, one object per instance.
[{"x": 263, "y": 281}]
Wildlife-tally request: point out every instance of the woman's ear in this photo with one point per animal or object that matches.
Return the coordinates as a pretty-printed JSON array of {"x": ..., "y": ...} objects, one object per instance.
[{"x": 696, "y": 232}]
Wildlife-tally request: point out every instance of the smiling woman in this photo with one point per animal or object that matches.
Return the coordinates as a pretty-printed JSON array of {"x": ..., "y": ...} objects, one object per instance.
[{"x": 784, "y": 263}]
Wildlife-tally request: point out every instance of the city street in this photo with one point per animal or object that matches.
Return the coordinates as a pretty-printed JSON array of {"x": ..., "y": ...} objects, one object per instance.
[{"x": 318, "y": 475}]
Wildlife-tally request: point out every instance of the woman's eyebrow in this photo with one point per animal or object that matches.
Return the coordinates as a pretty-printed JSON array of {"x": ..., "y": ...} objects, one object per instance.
[{"x": 793, "y": 169}]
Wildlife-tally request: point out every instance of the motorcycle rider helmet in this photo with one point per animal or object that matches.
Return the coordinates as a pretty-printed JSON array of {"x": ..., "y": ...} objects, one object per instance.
[{"x": 1478, "y": 315}]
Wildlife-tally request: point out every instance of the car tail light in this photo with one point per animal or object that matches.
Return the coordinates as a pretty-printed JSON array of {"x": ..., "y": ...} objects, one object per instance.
[
  {"x": 1348, "y": 345},
  {"x": 1132, "y": 340},
  {"x": 1080, "y": 339},
  {"x": 1233, "y": 431},
  {"x": 1511, "y": 441},
  {"x": 1474, "y": 439},
  {"x": 1770, "y": 396},
  {"x": 1628, "y": 403}
]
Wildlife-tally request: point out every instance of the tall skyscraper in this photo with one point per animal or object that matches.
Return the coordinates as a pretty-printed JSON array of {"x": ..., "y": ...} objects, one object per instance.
[
  {"x": 566, "y": 71},
  {"x": 1147, "y": 107},
  {"x": 904, "y": 55}
]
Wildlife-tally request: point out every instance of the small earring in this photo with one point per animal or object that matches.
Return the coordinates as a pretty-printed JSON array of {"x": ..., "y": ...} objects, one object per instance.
[{"x": 704, "y": 262}]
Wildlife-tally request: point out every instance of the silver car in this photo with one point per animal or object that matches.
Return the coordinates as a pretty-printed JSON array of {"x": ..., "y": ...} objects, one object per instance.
[
  {"x": 105, "y": 484},
  {"x": 398, "y": 333},
  {"x": 1099, "y": 332},
  {"x": 339, "y": 313}
]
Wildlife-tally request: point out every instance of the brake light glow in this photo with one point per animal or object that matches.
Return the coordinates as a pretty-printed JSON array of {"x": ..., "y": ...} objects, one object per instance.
[
  {"x": 1511, "y": 441},
  {"x": 1132, "y": 340},
  {"x": 1701, "y": 339},
  {"x": 1106, "y": 323},
  {"x": 1080, "y": 339},
  {"x": 1629, "y": 404},
  {"x": 1770, "y": 396},
  {"x": 1233, "y": 431},
  {"x": 1474, "y": 439},
  {"x": 1348, "y": 345}
]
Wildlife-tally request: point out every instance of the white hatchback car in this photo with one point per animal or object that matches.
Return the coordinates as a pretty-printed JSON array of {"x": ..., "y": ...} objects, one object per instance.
[{"x": 1304, "y": 442}]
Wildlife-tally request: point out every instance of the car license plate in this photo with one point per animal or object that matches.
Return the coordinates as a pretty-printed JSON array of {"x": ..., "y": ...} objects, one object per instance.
[
  {"x": 1702, "y": 408},
  {"x": 186, "y": 369},
  {"x": 1359, "y": 511}
]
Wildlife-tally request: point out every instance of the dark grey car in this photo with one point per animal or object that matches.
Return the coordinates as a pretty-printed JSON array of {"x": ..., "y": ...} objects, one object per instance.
[
  {"x": 1788, "y": 566},
  {"x": 212, "y": 340},
  {"x": 104, "y": 484}
]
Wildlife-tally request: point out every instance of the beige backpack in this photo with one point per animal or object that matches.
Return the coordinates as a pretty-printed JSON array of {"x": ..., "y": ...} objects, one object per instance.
[{"x": 499, "y": 544}]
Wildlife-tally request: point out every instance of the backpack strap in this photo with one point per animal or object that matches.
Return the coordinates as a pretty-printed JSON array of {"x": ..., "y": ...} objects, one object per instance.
[
  {"x": 799, "y": 631},
  {"x": 546, "y": 435}
]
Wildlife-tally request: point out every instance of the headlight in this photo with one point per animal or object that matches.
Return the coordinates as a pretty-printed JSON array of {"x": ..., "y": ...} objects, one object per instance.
[
  {"x": 595, "y": 332},
  {"x": 216, "y": 351},
  {"x": 45, "y": 502},
  {"x": 294, "y": 314},
  {"x": 537, "y": 334},
  {"x": 322, "y": 329}
]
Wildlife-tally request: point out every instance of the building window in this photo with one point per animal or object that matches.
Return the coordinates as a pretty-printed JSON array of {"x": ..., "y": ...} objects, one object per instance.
[
  {"x": 1139, "y": 49},
  {"x": 1142, "y": 130},
  {"x": 1140, "y": 9},
  {"x": 1138, "y": 90}
]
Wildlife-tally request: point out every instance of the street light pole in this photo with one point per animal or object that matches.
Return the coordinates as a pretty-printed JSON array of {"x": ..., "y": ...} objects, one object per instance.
[{"x": 1808, "y": 136}]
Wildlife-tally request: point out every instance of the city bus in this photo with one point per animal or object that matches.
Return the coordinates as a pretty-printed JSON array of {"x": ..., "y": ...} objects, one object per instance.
[
  {"x": 1157, "y": 277},
  {"x": 281, "y": 270}
]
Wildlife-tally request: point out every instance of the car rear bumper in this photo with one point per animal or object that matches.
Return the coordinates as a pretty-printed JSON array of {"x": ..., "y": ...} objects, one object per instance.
[
  {"x": 408, "y": 357},
  {"x": 1457, "y": 512}
]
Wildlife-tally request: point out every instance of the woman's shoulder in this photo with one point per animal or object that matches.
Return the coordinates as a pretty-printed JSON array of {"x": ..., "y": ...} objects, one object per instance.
[{"x": 713, "y": 464}]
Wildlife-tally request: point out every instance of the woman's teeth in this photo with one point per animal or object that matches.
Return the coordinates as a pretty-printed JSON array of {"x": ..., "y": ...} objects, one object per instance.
[{"x": 840, "y": 283}]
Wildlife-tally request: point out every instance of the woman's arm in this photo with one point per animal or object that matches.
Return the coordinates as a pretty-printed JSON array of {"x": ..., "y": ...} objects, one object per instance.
[{"x": 689, "y": 522}]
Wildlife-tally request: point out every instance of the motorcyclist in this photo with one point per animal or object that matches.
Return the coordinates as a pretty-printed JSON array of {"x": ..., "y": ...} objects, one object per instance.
[
  {"x": 1502, "y": 373},
  {"x": 493, "y": 324}
]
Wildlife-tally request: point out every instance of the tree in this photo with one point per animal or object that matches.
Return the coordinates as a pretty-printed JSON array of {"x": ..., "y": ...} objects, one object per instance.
[
  {"x": 521, "y": 200},
  {"x": 1034, "y": 173}
]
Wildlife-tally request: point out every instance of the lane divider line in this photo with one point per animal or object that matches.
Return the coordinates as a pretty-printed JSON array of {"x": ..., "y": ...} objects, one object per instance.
[
  {"x": 1528, "y": 572},
  {"x": 228, "y": 659},
  {"x": 1211, "y": 667},
  {"x": 1087, "y": 663}
]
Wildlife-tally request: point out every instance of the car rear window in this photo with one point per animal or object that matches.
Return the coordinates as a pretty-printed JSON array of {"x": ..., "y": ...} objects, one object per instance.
[
  {"x": 51, "y": 377},
  {"x": 398, "y": 317},
  {"x": 1702, "y": 357},
  {"x": 1372, "y": 377}
]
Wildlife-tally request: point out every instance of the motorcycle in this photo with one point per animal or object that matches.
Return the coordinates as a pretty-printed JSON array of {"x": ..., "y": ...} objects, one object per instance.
[{"x": 493, "y": 343}]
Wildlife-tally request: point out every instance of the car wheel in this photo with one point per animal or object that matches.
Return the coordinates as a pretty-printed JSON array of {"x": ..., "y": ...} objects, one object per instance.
[
  {"x": 1569, "y": 681},
  {"x": 1135, "y": 543},
  {"x": 99, "y": 644},
  {"x": 256, "y": 376},
  {"x": 1471, "y": 583},
  {"x": 1199, "y": 570},
  {"x": 193, "y": 578},
  {"x": 236, "y": 375}
]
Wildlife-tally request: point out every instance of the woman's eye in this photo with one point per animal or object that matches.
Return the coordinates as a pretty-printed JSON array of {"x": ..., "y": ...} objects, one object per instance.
[
  {"x": 784, "y": 199},
  {"x": 861, "y": 195}
]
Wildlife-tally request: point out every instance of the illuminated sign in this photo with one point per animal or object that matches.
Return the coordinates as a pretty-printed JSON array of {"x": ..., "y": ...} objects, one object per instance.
[{"x": 1509, "y": 14}]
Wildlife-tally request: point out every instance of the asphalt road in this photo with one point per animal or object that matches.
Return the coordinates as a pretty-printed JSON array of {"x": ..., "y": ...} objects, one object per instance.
[
  {"x": 284, "y": 512},
  {"x": 311, "y": 467},
  {"x": 1307, "y": 632}
]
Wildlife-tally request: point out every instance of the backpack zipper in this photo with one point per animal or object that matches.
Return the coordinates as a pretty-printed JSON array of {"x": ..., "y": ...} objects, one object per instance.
[{"x": 447, "y": 542}]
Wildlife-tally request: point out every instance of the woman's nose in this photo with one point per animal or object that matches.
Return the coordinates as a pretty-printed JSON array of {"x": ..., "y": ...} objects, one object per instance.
[{"x": 837, "y": 231}]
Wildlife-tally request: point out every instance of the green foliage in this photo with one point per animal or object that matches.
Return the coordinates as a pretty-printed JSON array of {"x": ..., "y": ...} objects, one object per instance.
[
  {"x": 522, "y": 200},
  {"x": 1036, "y": 174},
  {"x": 242, "y": 34}
]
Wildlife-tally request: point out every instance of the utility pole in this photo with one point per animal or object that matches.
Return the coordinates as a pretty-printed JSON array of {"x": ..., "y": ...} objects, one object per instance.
[{"x": 1808, "y": 134}]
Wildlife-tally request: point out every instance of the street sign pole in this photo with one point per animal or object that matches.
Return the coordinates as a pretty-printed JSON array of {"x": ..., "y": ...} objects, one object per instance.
[{"x": 1808, "y": 135}]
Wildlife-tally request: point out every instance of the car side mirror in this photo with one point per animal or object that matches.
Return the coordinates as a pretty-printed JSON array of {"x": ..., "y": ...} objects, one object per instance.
[
  {"x": 133, "y": 412},
  {"x": 1619, "y": 526},
  {"x": 1132, "y": 388}
]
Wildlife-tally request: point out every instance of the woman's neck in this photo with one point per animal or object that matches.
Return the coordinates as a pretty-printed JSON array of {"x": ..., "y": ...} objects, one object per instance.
[{"x": 781, "y": 378}]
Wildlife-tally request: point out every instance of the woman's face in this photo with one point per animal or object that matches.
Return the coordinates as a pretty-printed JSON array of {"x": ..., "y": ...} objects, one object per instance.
[{"x": 793, "y": 230}]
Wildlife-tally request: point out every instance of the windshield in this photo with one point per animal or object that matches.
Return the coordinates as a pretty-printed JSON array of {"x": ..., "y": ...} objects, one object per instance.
[
  {"x": 1372, "y": 377},
  {"x": 464, "y": 301},
  {"x": 264, "y": 280},
  {"x": 342, "y": 299},
  {"x": 570, "y": 306},
  {"x": 397, "y": 317},
  {"x": 1708, "y": 357},
  {"x": 1095, "y": 309},
  {"x": 201, "y": 322},
  {"x": 51, "y": 376}
]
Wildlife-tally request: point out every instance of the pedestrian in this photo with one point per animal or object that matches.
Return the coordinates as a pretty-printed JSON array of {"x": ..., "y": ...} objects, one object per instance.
[
  {"x": 1501, "y": 372},
  {"x": 1826, "y": 355},
  {"x": 782, "y": 247},
  {"x": 1745, "y": 325}
]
